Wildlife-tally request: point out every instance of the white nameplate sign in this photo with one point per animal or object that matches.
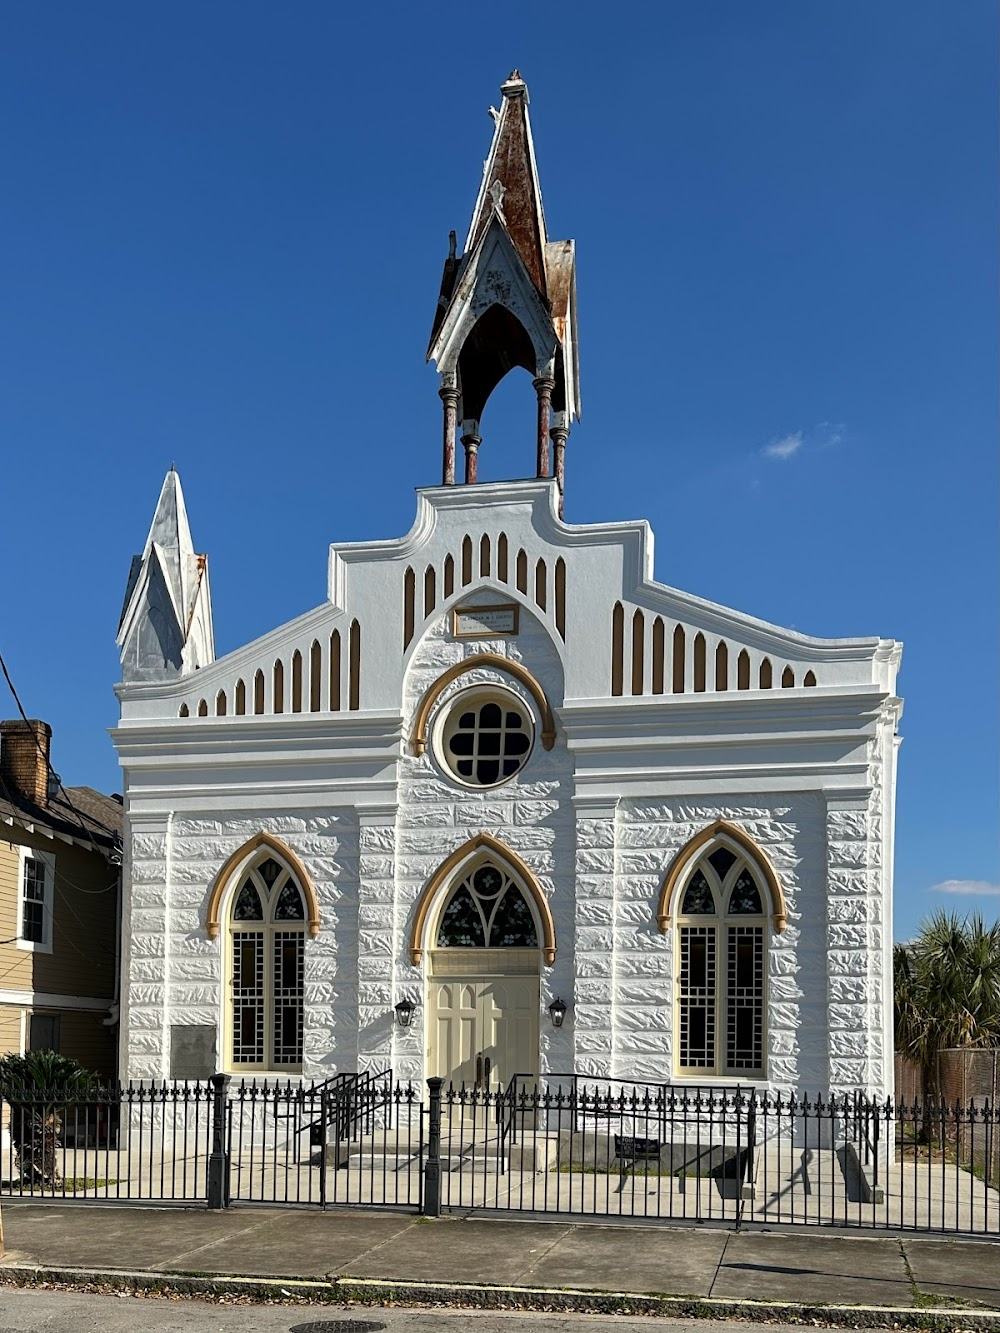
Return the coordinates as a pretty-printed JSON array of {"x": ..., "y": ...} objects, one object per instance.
[{"x": 483, "y": 622}]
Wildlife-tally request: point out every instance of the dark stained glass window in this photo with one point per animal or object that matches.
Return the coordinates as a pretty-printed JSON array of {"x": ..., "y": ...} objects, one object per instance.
[
  {"x": 722, "y": 861},
  {"x": 248, "y": 906},
  {"x": 289, "y": 904},
  {"x": 462, "y": 923},
  {"x": 488, "y": 907},
  {"x": 269, "y": 871},
  {"x": 720, "y": 1015},
  {"x": 744, "y": 900},
  {"x": 487, "y": 882},
  {"x": 513, "y": 925},
  {"x": 487, "y": 744},
  {"x": 268, "y": 966},
  {"x": 698, "y": 900}
]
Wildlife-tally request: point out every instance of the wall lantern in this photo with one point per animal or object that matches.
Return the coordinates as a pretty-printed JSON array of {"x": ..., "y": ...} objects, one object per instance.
[
  {"x": 557, "y": 1010},
  {"x": 404, "y": 1012}
]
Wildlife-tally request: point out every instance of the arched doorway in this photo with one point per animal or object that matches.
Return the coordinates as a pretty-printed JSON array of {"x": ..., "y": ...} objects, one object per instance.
[{"x": 484, "y": 958}]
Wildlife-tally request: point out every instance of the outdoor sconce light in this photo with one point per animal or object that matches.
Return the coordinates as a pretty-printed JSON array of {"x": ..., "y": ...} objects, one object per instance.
[
  {"x": 404, "y": 1012},
  {"x": 557, "y": 1009}
]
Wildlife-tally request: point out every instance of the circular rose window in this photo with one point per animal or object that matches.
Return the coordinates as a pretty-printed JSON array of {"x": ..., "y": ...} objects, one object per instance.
[{"x": 486, "y": 737}]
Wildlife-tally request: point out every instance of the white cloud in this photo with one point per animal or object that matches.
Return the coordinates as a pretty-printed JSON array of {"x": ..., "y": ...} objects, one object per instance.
[
  {"x": 785, "y": 447},
  {"x": 976, "y": 886}
]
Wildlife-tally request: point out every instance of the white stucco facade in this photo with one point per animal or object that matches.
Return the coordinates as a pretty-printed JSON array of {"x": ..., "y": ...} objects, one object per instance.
[
  {"x": 637, "y": 769},
  {"x": 692, "y": 838}
]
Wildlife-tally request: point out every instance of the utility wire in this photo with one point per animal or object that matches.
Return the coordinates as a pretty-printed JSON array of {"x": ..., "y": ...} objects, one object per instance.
[{"x": 113, "y": 833}]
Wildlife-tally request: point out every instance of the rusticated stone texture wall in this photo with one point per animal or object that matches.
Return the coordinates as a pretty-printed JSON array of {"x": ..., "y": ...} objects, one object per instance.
[
  {"x": 175, "y": 973},
  {"x": 533, "y": 815},
  {"x": 600, "y": 864},
  {"x": 791, "y": 832},
  {"x": 856, "y": 935}
]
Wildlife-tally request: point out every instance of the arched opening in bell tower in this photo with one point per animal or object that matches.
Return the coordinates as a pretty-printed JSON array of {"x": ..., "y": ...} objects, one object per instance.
[{"x": 508, "y": 302}]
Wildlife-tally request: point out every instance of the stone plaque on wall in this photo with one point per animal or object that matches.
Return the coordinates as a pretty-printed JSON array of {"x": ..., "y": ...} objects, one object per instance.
[
  {"x": 192, "y": 1051},
  {"x": 484, "y": 622}
]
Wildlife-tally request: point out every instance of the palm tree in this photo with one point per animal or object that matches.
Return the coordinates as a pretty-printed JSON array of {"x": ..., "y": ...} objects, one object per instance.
[
  {"x": 946, "y": 992},
  {"x": 38, "y": 1086}
]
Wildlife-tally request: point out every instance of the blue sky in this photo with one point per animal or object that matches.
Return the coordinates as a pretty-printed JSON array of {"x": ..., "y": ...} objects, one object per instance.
[{"x": 222, "y": 234}]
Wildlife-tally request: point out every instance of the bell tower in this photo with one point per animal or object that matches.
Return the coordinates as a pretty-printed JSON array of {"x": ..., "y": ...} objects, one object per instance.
[{"x": 508, "y": 300}]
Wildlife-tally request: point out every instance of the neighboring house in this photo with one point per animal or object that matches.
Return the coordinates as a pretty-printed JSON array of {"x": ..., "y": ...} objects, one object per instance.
[
  {"x": 503, "y": 804},
  {"x": 59, "y": 907}
]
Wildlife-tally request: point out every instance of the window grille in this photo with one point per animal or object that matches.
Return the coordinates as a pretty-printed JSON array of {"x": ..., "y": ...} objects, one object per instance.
[
  {"x": 487, "y": 741},
  {"x": 744, "y": 997},
  {"x": 33, "y": 901},
  {"x": 720, "y": 1009},
  {"x": 698, "y": 998},
  {"x": 267, "y": 965}
]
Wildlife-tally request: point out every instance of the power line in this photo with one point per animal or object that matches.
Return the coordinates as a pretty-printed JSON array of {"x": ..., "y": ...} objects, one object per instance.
[{"x": 113, "y": 833}]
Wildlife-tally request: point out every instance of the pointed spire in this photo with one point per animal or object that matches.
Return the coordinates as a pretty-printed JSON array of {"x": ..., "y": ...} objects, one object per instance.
[
  {"x": 508, "y": 300},
  {"x": 166, "y": 623},
  {"x": 510, "y": 187},
  {"x": 171, "y": 532}
]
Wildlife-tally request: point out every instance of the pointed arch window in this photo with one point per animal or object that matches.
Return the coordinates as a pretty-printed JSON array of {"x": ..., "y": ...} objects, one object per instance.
[
  {"x": 487, "y": 910},
  {"x": 720, "y": 962},
  {"x": 267, "y": 935}
]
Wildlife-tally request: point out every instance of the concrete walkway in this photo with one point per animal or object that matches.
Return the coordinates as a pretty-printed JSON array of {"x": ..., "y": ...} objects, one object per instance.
[{"x": 801, "y": 1268}]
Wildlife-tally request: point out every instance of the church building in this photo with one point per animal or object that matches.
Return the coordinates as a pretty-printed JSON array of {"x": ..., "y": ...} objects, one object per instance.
[{"x": 503, "y": 804}]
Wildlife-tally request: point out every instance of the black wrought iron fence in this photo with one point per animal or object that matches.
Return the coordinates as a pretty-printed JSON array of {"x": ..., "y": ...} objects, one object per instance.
[
  {"x": 143, "y": 1141},
  {"x": 347, "y": 1141},
  {"x": 563, "y": 1145}
]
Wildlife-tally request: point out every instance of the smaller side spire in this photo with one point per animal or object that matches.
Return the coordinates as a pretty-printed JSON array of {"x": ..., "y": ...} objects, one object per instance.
[{"x": 166, "y": 622}]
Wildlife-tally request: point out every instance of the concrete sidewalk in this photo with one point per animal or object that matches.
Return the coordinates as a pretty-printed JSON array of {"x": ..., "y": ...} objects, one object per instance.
[{"x": 377, "y": 1249}]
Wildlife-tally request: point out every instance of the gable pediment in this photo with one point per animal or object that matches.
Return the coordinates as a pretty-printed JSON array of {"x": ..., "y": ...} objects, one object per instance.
[{"x": 494, "y": 274}]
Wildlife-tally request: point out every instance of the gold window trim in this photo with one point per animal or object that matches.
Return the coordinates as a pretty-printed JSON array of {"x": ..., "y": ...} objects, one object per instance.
[
  {"x": 285, "y": 854},
  {"x": 498, "y": 663},
  {"x": 444, "y": 876},
  {"x": 721, "y": 831}
]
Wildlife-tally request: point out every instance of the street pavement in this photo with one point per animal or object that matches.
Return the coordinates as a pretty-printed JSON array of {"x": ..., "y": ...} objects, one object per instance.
[
  {"x": 794, "y": 1268},
  {"x": 37, "y": 1311}
]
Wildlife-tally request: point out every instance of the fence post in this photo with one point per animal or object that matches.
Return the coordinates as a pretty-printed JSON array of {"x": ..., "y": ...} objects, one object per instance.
[
  {"x": 324, "y": 1119},
  {"x": 218, "y": 1162},
  {"x": 432, "y": 1163}
]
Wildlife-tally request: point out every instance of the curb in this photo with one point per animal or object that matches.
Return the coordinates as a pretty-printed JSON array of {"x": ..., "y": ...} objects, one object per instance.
[{"x": 384, "y": 1291}]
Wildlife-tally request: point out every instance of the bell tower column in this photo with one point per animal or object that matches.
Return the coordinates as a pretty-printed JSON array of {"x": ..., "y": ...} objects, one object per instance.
[
  {"x": 449, "y": 395},
  {"x": 560, "y": 434},
  {"x": 471, "y": 440},
  {"x": 544, "y": 385}
]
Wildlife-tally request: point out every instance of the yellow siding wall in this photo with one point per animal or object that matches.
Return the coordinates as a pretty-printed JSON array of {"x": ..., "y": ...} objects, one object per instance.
[
  {"x": 10, "y": 1029},
  {"x": 83, "y": 1036},
  {"x": 15, "y": 963},
  {"x": 82, "y": 961}
]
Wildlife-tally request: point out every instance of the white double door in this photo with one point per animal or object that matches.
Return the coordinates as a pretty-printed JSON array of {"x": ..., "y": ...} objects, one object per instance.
[{"x": 483, "y": 1029}]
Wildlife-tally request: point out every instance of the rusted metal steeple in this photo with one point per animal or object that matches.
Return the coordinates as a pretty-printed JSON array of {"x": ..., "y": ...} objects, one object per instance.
[
  {"x": 510, "y": 183},
  {"x": 509, "y": 300}
]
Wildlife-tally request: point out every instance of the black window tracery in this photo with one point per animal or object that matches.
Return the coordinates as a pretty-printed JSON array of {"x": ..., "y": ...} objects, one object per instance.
[
  {"x": 720, "y": 964},
  {"x": 487, "y": 742},
  {"x": 487, "y": 909},
  {"x": 267, "y": 963}
]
